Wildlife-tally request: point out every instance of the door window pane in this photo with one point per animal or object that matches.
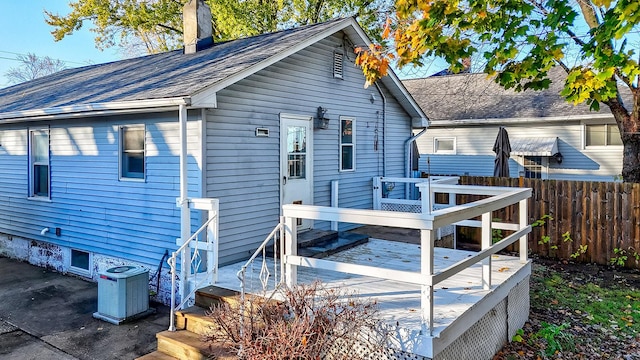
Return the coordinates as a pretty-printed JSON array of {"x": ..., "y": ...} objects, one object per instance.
[{"x": 296, "y": 149}]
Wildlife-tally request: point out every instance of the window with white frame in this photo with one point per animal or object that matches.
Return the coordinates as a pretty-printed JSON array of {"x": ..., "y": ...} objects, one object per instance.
[
  {"x": 132, "y": 156},
  {"x": 444, "y": 145},
  {"x": 39, "y": 172},
  {"x": 602, "y": 135},
  {"x": 347, "y": 144},
  {"x": 534, "y": 167}
]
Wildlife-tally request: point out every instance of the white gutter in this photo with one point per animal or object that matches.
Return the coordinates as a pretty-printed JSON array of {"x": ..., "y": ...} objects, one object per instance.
[
  {"x": 488, "y": 121},
  {"x": 95, "y": 109}
]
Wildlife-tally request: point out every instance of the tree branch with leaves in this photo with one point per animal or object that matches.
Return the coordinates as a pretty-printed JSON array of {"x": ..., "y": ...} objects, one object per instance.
[{"x": 520, "y": 41}]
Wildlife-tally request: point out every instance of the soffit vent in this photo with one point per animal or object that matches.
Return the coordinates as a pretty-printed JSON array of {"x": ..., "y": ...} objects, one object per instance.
[{"x": 338, "y": 59}]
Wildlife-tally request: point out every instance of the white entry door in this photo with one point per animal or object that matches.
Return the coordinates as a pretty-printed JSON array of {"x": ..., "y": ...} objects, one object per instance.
[{"x": 296, "y": 162}]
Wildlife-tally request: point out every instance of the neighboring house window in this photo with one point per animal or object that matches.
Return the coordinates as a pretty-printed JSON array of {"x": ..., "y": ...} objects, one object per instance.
[
  {"x": 347, "y": 144},
  {"x": 533, "y": 167},
  {"x": 444, "y": 145},
  {"x": 602, "y": 135},
  {"x": 132, "y": 152},
  {"x": 39, "y": 173}
]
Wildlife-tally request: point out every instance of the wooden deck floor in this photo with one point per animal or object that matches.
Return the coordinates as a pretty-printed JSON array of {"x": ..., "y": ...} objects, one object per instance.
[{"x": 399, "y": 302}]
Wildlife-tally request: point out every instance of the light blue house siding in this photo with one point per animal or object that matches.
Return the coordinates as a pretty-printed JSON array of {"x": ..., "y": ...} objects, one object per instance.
[
  {"x": 242, "y": 170},
  {"x": 135, "y": 221},
  {"x": 474, "y": 155}
]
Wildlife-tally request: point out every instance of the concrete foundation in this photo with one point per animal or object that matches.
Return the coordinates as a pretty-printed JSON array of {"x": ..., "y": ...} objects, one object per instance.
[{"x": 58, "y": 258}]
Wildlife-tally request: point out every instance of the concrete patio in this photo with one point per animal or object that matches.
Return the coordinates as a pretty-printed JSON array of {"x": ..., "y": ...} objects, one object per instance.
[{"x": 47, "y": 315}]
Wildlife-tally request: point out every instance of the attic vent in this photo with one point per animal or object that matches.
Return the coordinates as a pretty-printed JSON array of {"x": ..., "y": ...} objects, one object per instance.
[{"x": 337, "y": 65}]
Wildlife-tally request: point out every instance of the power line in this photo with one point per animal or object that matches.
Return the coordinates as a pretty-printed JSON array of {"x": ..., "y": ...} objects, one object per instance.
[{"x": 19, "y": 54}]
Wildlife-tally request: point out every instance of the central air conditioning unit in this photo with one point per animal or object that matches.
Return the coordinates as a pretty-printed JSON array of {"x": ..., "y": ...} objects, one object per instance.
[{"x": 123, "y": 294}]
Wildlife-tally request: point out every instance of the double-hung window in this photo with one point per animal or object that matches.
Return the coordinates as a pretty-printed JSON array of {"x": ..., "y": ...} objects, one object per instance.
[
  {"x": 347, "y": 144},
  {"x": 132, "y": 156},
  {"x": 39, "y": 173},
  {"x": 602, "y": 135}
]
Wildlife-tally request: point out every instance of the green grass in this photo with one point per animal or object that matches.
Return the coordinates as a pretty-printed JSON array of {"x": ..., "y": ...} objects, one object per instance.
[{"x": 612, "y": 307}]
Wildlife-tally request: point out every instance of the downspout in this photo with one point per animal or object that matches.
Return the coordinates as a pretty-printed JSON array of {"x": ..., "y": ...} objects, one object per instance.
[
  {"x": 409, "y": 153},
  {"x": 384, "y": 129},
  {"x": 409, "y": 157},
  {"x": 185, "y": 216}
]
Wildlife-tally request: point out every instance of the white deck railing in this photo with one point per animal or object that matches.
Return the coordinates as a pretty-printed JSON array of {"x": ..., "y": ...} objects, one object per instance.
[
  {"x": 191, "y": 275},
  {"x": 427, "y": 278}
]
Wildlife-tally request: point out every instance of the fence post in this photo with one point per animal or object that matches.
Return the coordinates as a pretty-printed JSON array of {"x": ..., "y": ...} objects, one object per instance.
[
  {"x": 486, "y": 243},
  {"x": 290, "y": 248},
  {"x": 377, "y": 193},
  {"x": 522, "y": 213},
  {"x": 427, "y": 242}
]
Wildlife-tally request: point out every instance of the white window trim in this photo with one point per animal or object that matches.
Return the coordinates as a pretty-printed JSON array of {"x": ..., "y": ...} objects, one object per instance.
[
  {"x": 597, "y": 147},
  {"x": 77, "y": 270},
  {"x": 31, "y": 163},
  {"x": 121, "y": 149},
  {"x": 446, "y": 152},
  {"x": 352, "y": 144}
]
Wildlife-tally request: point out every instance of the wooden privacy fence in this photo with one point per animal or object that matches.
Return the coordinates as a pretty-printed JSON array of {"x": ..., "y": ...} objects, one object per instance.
[{"x": 595, "y": 222}]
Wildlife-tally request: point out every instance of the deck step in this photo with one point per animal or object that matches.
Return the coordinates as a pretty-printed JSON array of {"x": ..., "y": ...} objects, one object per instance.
[
  {"x": 186, "y": 345},
  {"x": 344, "y": 241},
  {"x": 156, "y": 355},
  {"x": 316, "y": 238},
  {"x": 194, "y": 319},
  {"x": 213, "y": 295}
]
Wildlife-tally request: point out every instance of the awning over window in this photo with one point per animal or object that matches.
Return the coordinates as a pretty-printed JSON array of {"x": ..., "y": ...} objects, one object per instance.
[{"x": 534, "y": 146}]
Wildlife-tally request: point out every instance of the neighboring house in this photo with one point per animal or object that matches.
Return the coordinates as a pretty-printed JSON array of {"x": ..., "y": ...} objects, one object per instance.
[
  {"x": 92, "y": 154},
  {"x": 550, "y": 138}
]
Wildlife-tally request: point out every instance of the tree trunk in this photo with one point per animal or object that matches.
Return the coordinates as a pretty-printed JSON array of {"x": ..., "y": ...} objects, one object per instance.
[{"x": 631, "y": 158}]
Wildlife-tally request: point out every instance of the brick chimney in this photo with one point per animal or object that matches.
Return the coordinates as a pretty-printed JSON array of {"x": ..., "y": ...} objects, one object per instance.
[{"x": 197, "y": 27}]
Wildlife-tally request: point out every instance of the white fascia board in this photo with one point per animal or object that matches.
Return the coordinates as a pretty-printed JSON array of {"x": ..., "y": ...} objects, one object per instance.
[
  {"x": 95, "y": 109},
  {"x": 523, "y": 120}
]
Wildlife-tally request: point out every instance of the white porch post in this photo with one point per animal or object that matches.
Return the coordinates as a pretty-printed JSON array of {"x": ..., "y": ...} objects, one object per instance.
[
  {"x": 335, "y": 188},
  {"x": 377, "y": 193},
  {"x": 213, "y": 241},
  {"x": 486, "y": 243},
  {"x": 290, "y": 248},
  {"x": 427, "y": 242},
  {"x": 185, "y": 215},
  {"x": 522, "y": 212}
]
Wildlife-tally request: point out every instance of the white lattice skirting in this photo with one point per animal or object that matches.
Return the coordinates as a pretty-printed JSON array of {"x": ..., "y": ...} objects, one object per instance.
[{"x": 480, "y": 342}]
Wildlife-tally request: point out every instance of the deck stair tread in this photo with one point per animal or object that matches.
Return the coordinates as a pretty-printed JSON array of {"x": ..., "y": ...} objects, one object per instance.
[
  {"x": 343, "y": 241},
  {"x": 156, "y": 355},
  {"x": 194, "y": 319},
  {"x": 184, "y": 344},
  {"x": 213, "y": 295}
]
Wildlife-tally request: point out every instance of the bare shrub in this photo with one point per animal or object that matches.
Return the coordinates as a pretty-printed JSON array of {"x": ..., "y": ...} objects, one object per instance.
[{"x": 311, "y": 322}]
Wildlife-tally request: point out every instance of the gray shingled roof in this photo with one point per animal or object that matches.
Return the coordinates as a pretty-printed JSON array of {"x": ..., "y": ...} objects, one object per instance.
[
  {"x": 167, "y": 75},
  {"x": 474, "y": 96}
]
